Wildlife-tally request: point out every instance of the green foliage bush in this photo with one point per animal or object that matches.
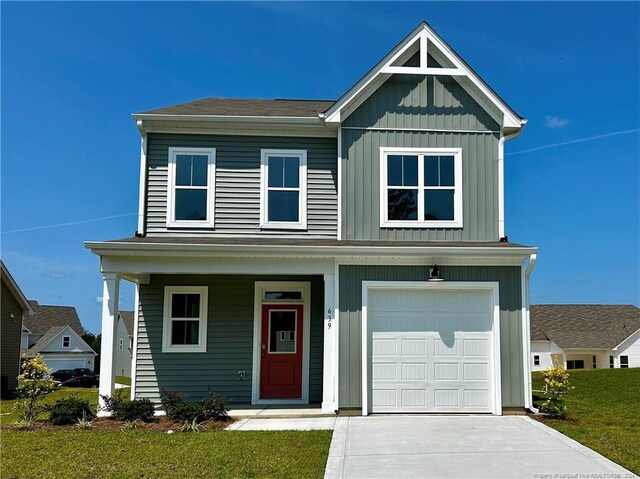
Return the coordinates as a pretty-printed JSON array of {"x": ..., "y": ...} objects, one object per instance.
[
  {"x": 129, "y": 410},
  {"x": 556, "y": 385},
  {"x": 215, "y": 407},
  {"x": 70, "y": 410},
  {"x": 212, "y": 408}
]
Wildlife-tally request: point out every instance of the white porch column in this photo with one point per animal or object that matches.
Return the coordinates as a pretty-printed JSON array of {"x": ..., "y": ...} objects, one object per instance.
[
  {"x": 110, "y": 293},
  {"x": 330, "y": 346}
]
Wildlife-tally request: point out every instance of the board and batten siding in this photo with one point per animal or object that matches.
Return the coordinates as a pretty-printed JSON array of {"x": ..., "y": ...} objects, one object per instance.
[
  {"x": 10, "y": 337},
  {"x": 420, "y": 112},
  {"x": 229, "y": 339},
  {"x": 350, "y": 336},
  {"x": 237, "y": 202}
]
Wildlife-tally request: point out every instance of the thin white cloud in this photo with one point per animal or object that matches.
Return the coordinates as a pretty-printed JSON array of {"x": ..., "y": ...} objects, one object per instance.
[
  {"x": 578, "y": 140},
  {"x": 98, "y": 299},
  {"x": 70, "y": 223},
  {"x": 555, "y": 122}
]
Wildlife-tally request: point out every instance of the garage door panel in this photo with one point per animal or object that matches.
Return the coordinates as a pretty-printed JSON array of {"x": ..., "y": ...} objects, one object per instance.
[{"x": 431, "y": 361}]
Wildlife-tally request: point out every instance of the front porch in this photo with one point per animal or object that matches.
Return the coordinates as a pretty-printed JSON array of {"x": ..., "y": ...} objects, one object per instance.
[{"x": 224, "y": 347}]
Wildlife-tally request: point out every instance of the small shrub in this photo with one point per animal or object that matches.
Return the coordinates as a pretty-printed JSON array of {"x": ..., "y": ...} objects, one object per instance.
[
  {"x": 84, "y": 423},
  {"x": 170, "y": 400},
  {"x": 215, "y": 407},
  {"x": 556, "y": 385},
  {"x": 130, "y": 425},
  {"x": 34, "y": 384},
  {"x": 192, "y": 426},
  {"x": 23, "y": 424},
  {"x": 70, "y": 410},
  {"x": 129, "y": 410},
  {"x": 187, "y": 412}
]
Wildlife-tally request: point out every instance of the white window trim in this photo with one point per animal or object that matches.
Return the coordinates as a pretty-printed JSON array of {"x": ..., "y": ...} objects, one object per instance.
[
  {"x": 211, "y": 188},
  {"x": 201, "y": 347},
  {"x": 301, "y": 224},
  {"x": 457, "y": 207},
  {"x": 68, "y": 338}
]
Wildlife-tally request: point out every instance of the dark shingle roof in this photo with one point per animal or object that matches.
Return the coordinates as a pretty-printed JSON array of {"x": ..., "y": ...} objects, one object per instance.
[
  {"x": 46, "y": 316},
  {"x": 202, "y": 240},
  {"x": 584, "y": 325},
  {"x": 246, "y": 107},
  {"x": 127, "y": 319}
]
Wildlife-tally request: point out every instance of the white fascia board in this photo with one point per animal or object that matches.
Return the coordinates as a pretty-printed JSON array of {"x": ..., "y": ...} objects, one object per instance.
[
  {"x": 304, "y": 120},
  {"x": 635, "y": 333},
  {"x": 182, "y": 249},
  {"x": 15, "y": 289}
]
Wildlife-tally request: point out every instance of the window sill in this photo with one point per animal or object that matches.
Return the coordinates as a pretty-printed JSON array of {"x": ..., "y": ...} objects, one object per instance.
[
  {"x": 283, "y": 226},
  {"x": 190, "y": 224},
  {"x": 421, "y": 224},
  {"x": 184, "y": 349}
]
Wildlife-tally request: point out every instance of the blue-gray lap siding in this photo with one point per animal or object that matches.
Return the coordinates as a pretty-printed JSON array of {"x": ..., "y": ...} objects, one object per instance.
[
  {"x": 229, "y": 339},
  {"x": 391, "y": 117},
  {"x": 237, "y": 188},
  {"x": 350, "y": 341}
]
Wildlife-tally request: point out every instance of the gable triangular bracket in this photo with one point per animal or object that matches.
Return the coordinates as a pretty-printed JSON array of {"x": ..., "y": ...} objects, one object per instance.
[
  {"x": 425, "y": 41},
  {"x": 422, "y": 45}
]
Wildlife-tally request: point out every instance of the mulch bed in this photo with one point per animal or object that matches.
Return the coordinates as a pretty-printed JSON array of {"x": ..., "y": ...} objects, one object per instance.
[{"x": 161, "y": 424}]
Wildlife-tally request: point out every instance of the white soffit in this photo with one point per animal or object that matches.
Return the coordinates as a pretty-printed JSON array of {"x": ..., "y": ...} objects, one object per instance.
[{"x": 424, "y": 40}]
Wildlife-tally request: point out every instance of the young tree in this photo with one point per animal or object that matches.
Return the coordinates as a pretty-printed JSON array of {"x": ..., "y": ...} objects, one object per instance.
[{"x": 33, "y": 385}]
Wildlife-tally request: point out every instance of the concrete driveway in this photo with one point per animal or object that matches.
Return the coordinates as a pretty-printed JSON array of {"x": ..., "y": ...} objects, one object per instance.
[{"x": 459, "y": 447}]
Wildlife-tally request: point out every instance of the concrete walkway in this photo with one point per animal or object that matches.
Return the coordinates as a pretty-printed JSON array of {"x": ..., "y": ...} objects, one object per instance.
[
  {"x": 282, "y": 424},
  {"x": 459, "y": 447}
]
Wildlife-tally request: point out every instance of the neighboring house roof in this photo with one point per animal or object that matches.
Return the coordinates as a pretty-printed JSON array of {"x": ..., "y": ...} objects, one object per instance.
[
  {"x": 50, "y": 335},
  {"x": 47, "y": 316},
  {"x": 246, "y": 107},
  {"x": 128, "y": 319},
  {"x": 15, "y": 290},
  {"x": 584, "y": 326}
]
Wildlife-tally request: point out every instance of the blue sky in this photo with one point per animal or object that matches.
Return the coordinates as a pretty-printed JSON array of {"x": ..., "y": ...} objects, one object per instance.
[{"x": 72, "y": 73}]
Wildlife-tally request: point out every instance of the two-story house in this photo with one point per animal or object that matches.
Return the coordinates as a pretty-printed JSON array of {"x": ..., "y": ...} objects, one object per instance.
[{"x": 350, "y": 253}]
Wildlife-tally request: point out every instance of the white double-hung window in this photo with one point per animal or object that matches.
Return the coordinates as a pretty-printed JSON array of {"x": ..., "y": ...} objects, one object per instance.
[
  {"x": 191, "y": 191},
  {"x": 421, "y": 187},
  {"x": 283, "y": 192},
  {"x": 185, "y": 319}
]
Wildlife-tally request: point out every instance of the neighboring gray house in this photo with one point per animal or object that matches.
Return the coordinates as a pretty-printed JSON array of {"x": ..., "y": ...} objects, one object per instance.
[
  {"x": 585, "y": 336},
  {"x": 124, "y": 343},
  {"x": 348, "y": 253},
  {"x": 55, "y": 332},
  {"x": 14, "y": 306}
]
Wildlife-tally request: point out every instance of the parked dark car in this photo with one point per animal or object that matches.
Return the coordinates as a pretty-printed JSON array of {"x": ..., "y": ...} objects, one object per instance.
[
  {"x": 63, "y": 374},
  {"x": 80, "y": 382},
  {"x": 83, "y": 372}
]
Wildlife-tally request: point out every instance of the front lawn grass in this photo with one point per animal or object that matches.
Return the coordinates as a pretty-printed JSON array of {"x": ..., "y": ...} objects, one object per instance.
[
  {"x": 140, "y": 454},
  {"x": 123, "y": 380},
  {"x": 73, "y": 453},
  {"x": 604, "y": 413}
]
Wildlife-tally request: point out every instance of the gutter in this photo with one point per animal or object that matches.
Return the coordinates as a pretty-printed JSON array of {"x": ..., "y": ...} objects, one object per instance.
[
  {"x": 311, "y": 120},
  {"x": 190, "y": 249},
  {"x": 528, "y": 402},
  {"x": 140, "y": 232}
]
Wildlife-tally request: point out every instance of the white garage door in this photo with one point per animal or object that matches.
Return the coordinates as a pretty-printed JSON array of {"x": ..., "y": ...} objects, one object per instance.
[
  {"x": 431, "y": 351},
  {"x": 56, "y": 364}
]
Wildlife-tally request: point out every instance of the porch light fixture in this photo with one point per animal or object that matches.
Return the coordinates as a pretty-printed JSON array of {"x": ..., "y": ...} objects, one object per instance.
[{"x": 435, "y": 274}]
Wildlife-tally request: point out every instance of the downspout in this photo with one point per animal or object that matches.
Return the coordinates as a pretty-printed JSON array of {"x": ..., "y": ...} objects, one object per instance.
[
  {"x": 140, "y": 232},
  {"x": 501, "y": 214},
  {"x": 528, "y": 403}
]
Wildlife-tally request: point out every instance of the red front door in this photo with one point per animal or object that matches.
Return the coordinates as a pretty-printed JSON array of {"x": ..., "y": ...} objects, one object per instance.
[{"x": 281, "y": 351}]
